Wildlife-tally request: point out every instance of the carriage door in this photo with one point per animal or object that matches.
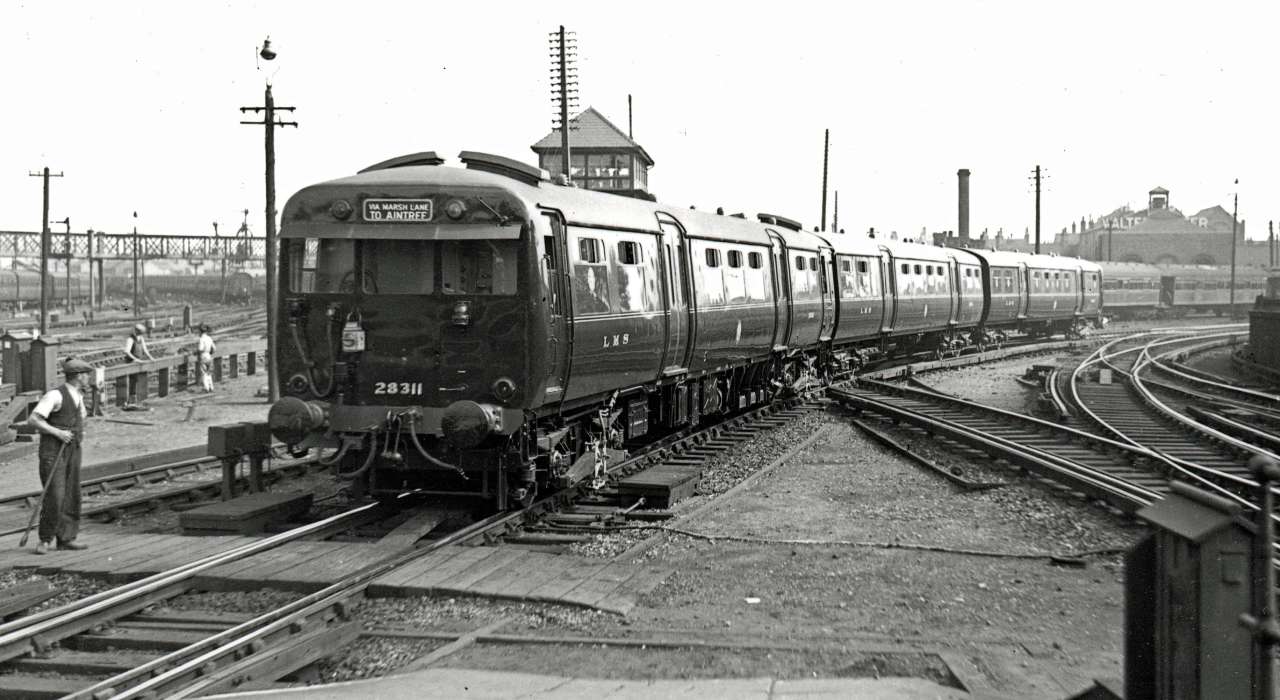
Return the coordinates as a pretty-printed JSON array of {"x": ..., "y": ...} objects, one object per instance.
[
  {"x": 1166, "y": 291},
  {"x": 781, "y": 292},
  {"x": 826, "y": 279},
  {"x": 675, "y": 280},
  {"x": 555, "y": 275}
]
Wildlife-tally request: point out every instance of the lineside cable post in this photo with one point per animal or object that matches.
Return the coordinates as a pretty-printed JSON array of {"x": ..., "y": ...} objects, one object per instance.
[{"x": 270, "y": 122}]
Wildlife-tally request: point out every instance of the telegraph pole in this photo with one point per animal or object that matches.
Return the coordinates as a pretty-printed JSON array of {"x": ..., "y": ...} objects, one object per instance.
[
  {"x": 826, "y": 144},
  {"x": 66, "y": 261},
  {"x": 1235, "y": 210},
  {"x": 270, "y": 122},
  {"x": 1037, "y": 178},
  {"x": 1271, "y": 258},
  {"x": 137, "y": 310},
  {"x": 564, "y": 90},
  {"x": 835, "y": 215},
  {"x": 44, "y": 252},
  {"x": 1110, "y": 225}
]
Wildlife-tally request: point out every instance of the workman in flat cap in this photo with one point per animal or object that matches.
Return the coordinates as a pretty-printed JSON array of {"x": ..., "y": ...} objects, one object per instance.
[{"x": 59, "y": 417}]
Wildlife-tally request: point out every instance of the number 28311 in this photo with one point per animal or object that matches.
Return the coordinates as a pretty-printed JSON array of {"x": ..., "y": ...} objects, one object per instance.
[{"x": 393, "y": 388}]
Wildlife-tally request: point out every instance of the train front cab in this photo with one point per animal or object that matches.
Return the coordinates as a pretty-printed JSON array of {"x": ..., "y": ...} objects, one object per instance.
[{"x": 397, "y": 330}]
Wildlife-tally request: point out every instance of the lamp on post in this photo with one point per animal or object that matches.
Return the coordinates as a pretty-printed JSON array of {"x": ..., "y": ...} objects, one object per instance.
[{"x": 270, "y": 123}]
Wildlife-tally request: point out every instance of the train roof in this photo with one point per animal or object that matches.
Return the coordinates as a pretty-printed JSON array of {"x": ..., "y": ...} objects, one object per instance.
[
  {"x": 1130, "y": 269},
  {"x": 921, "y": 251},
  {"x": 578, "y": 206},
  {"x": 847, "y": 244},
  {"x": 1012, "y": 258}
]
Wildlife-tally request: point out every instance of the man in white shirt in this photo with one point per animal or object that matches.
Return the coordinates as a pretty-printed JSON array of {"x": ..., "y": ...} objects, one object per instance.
[
  {"x": 136, "y": 350},
  {"x": 59, "y": 417},
  {"x": 206, "y": 347}
]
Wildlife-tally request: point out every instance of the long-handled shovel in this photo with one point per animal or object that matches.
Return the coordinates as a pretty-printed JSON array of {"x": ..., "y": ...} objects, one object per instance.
[{"x": 35, "y": 512}]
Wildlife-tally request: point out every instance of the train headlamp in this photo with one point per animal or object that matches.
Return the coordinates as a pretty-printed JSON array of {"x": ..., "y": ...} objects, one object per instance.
[
  {"x": 455, "y": 209},
  {"x": 504, "y": 389},
  {"x": 340, "y": 209},
  {"x": 462, "y": 314}
]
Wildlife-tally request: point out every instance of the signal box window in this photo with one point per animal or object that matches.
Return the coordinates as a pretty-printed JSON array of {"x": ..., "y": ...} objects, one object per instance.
[
  {"x": 591, "y": 278},
  {"x": 478, "y": 267},
  {"x": 322, "y": 265}
]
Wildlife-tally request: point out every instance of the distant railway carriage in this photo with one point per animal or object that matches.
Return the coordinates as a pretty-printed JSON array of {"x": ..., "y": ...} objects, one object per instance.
[{"x": 1140, "y": 290}]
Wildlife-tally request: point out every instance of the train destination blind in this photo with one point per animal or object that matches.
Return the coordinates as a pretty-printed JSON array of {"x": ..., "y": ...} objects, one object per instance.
[{"x": 397, "y": 210}]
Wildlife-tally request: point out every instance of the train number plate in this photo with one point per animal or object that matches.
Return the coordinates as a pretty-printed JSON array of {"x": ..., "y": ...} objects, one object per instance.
[
  {"x": 397, "y": 388},
  {"x": 397, "y": 210}
]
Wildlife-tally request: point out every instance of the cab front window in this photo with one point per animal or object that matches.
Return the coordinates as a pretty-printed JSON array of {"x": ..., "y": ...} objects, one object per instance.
[
  {"x": 399, "y": 266},
  {"x": 321, "y": 265},
  {"x": 478, "y": 267}
]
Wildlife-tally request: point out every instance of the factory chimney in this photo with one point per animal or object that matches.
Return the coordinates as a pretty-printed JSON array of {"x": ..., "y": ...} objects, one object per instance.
[{"x": 963, "y": 227}]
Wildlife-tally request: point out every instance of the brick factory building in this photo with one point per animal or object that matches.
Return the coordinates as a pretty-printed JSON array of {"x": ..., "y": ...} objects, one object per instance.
[{"x": 1161, "y": 235}]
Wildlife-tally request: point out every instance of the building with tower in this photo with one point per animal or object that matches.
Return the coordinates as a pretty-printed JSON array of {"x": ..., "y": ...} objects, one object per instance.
[{"x": 1161, "y": 234}]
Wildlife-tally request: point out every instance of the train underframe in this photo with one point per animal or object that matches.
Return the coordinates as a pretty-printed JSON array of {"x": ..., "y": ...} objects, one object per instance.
[{"x": 563, "y": 446}]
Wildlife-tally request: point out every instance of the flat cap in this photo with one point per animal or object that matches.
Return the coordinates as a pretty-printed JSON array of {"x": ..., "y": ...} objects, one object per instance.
[
  {"x": 74, "y": 366},
  {"x": 141, "y": 328}
]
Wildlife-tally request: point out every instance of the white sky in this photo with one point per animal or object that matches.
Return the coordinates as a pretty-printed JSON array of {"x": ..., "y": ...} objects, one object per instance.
[{"x": 138, "y": 103}]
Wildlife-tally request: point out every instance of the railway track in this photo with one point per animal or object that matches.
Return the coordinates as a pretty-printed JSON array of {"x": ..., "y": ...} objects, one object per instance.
[
  {"x": 1126, "y": 454},
  {"x": 118, "y": 619},
  {"x": 153, "y": 485},
  {"x": 1171, "y": 416}
]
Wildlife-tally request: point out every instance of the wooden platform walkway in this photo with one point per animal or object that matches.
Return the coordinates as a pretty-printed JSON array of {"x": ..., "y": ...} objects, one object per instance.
[
  {"x": 519, "y": 574},
  {"x": 509, "y": 572}
]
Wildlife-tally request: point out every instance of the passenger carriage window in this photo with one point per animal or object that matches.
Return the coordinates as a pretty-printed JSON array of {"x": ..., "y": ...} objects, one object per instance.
[
  {"x": 906, "y": 269},
  {"x": 799, "y": 262},
  {"x": 590, "y": 250},
  {"x": 591, "y": 278},
  {"x": 711, "y": 280},
  {"x": 735, "y": 283},
  {"x": 862, "y": 266},
  {"x": 758, "y": 288},
  {"x": 846, "y": 266},
  {"x": 636, "y": 288},
  {"x": 917, "y": 269},
  {"x": 629, "y": 253},
  {"x": 813, "y": 264}
]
